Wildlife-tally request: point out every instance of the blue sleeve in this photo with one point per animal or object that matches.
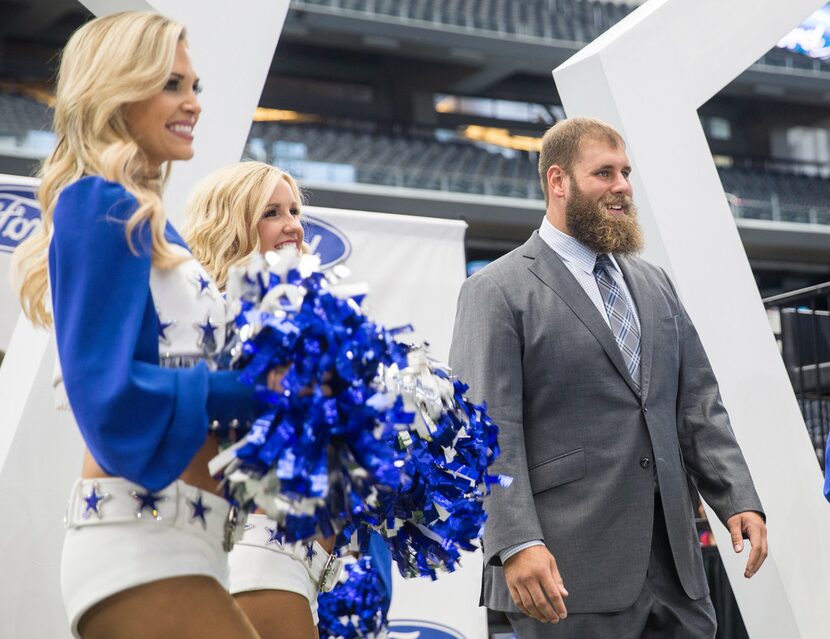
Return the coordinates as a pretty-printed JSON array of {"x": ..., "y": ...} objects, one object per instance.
[{"x": 140, "y": 421}]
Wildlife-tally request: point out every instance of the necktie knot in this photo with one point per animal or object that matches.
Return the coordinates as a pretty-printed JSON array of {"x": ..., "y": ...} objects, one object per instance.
[{"x": 603, "y": 263}]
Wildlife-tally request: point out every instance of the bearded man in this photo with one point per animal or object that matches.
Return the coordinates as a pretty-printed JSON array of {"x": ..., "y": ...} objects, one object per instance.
[{"x": 608, "y": 409}]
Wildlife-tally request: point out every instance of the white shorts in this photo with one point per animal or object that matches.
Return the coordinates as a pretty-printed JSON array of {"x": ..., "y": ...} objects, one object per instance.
[
  {"x": 260, "y": 562},
  {"x": 110, "y": 549}
]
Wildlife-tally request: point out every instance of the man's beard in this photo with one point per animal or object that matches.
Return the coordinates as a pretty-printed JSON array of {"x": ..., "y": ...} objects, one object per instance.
[{"x": 590, "y": 223}]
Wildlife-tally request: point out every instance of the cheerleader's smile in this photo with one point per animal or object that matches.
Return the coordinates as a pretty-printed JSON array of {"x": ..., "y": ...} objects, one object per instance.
[
  {"x": 279, "y": 225},
  {"x": 162, "y": 125}
]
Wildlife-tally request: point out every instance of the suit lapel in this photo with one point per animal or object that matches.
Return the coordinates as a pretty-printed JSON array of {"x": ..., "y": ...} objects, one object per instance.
[
  {"x": 549, "y": 268},
  {"x": 641, "y": 292}
]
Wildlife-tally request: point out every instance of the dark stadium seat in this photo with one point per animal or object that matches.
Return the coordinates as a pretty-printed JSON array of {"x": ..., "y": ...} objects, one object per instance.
[{"x": 19, "y": 115}]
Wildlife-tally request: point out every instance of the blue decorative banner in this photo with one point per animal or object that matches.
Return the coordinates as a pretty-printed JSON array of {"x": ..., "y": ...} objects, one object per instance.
[
  {"x": 327, "y": 241},
  {"x": 19, "y": 214}
]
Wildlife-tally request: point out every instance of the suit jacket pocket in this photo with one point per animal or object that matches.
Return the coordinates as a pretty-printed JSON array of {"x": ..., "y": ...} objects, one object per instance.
[{"x": 560, "y": 470}]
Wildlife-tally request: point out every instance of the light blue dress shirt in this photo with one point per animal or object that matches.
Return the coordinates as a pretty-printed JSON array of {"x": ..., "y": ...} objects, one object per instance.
[{"x": 580, "y": 261}]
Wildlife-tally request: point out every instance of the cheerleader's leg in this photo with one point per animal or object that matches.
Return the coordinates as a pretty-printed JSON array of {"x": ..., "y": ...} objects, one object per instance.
[
  {"x": 192, "y": 607},
  {"x": 278, "y": 614},
  {"x": 277, "y": 585}
]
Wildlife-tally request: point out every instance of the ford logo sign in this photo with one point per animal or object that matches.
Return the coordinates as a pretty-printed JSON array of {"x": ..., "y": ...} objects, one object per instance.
[
  {"x": 327, "y": 241},
  {"x": 19, "y": 214},
  {"x": 416, "y": 629}
]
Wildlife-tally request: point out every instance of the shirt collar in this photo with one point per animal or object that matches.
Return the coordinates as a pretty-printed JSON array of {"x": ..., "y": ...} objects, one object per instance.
[{"x": 570, "y": 249}]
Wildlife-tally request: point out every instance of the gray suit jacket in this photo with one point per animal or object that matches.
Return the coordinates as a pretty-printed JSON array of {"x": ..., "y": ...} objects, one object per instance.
[{"x": 580, "y": 442}]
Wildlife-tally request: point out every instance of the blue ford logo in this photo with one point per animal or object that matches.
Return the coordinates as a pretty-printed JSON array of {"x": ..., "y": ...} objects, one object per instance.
[
  {"x": 19, "y": 214},
  {"x": 411, "y": 629},
  {"x": 326, "y": 241}
]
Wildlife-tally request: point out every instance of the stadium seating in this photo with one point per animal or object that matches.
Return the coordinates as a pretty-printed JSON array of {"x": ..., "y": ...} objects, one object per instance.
[
  {"x": 570, "y": 20},
  {"x": 421, "y": 161},
  {"x": 424, "y": 162},
  {"x": 417, "y": 162},
  {"x": 19, "y": 115},
  {"x": 574, "y": 20},
  {"x": 778, "y": 196}
]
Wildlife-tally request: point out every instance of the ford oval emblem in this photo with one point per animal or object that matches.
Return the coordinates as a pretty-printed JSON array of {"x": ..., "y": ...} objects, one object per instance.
[
  {"x": 327, "y": 241},
  {"x": 19, "y": 214},
  {"x": 416, "y": 629}
]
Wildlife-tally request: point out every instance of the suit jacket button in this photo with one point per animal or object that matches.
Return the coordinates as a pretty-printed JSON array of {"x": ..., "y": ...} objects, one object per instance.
[{"x": 645, "y": 462}]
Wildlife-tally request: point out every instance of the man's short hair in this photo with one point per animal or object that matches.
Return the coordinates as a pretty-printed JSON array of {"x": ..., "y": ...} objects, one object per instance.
[{"x": 561, "y": 142}]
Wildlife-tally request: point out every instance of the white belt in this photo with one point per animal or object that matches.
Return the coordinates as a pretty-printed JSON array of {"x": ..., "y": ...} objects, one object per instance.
[
  {"x": 323, "y": 568},
  {"x": 114, "y": 500}
]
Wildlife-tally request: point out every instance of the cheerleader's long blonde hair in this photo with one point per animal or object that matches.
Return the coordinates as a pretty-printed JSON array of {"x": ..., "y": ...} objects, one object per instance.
[
  {"x": 108, "y": 63},
  {"x": 223, "y": 212}
]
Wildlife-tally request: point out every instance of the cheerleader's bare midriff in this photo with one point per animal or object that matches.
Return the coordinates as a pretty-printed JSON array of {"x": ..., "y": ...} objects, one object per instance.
[{"x": 196, "y": 474}]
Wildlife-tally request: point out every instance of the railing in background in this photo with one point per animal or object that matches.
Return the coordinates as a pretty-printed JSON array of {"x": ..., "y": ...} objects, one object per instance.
[
  {"x": 801, "y": 324},
  {"x": 774, "y": 210}
]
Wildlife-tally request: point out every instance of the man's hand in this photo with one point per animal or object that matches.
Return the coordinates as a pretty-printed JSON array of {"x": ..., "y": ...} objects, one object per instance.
[
  {"x": 536, "y": 585},
  {"x": 749, "y": 525}
]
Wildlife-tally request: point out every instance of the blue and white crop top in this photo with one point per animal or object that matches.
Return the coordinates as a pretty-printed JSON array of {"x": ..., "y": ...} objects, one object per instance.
[{"x": 131, "y": 339}]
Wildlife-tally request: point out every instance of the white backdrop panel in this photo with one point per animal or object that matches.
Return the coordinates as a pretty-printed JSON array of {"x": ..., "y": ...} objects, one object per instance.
[
  {"x": 42, "y": 458},
  {"x": 415, "y": 266}
]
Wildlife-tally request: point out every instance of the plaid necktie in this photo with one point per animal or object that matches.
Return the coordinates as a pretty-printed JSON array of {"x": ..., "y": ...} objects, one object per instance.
[{"x": 620, "y": 316}]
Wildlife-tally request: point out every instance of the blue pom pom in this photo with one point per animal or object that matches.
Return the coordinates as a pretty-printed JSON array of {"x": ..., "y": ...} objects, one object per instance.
[
  {"x": 354, "y": 608},
  {"x": 367, "y": 434}
]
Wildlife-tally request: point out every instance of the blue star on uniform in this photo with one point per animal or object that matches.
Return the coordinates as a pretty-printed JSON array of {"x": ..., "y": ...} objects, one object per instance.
[
  {"x": 274, "y": 536},
  {"x": 202, "y": 284},
  {"x": 163, "y": 327},
  {"x": 147, "y": 501},
  {"x": 207, "y": 337},
  {"x": 93, "y": 501},
  {"x": 199, "y": 510},
  {"x": 310, "y": 553}
]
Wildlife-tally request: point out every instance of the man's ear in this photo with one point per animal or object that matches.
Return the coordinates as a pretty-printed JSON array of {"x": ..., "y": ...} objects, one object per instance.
[{"x": 557, "y": 178}]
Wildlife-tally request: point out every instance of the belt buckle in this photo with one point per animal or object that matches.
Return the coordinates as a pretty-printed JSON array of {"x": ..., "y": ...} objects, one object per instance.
[
  {"x": 329, "y": 573},
  {"x": 231, "y": 523}
]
